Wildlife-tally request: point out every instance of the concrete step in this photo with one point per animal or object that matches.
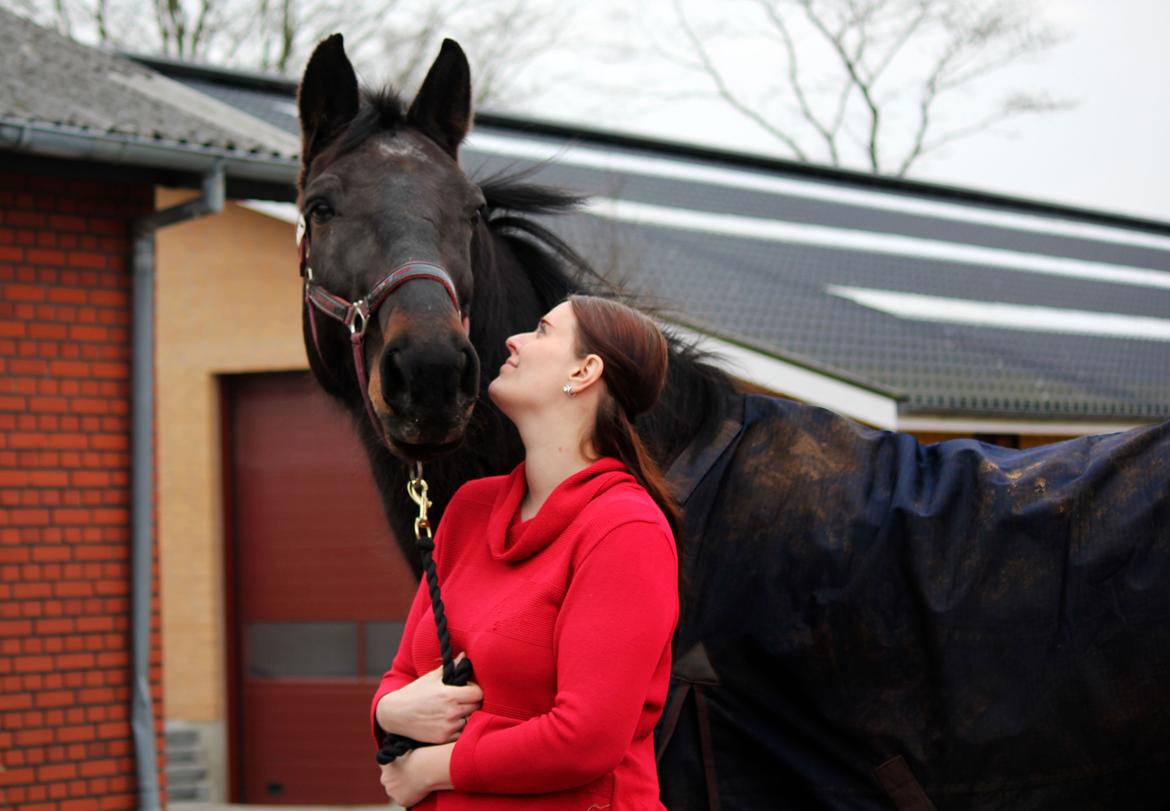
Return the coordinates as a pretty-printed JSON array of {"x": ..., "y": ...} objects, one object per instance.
[
  {"x": 184, "y": 757},
  {"x": 181, "y": 736},
  {"x": 187, "y": 794}
]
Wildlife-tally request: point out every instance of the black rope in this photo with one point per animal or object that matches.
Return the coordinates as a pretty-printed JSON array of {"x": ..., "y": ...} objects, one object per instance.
[{"x": 456, "y": 674}]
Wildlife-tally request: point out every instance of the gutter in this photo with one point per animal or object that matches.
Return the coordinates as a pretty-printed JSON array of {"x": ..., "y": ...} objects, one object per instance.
[
  {"x": 142, "y": 719},
  {"x": 75, "y": 143}
]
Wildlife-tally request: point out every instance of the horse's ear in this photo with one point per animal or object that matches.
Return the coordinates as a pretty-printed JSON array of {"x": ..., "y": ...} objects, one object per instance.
[
  {"x": 442, "y": 108},
  {"x": 328, "y": 96}
]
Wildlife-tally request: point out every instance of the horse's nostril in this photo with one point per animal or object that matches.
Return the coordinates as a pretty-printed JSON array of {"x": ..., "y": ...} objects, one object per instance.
[
  {"x": 393, "y": 376},
  {"x": 469, "y": 379}
]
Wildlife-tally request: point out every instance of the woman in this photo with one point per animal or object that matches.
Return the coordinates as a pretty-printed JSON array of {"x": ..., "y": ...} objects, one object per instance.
[{"x": 561, "y": 585}]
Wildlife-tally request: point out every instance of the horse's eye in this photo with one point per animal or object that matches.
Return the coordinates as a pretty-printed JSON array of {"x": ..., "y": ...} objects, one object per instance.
[
  {"x": 476, "y": 216},
  {"x": 321, "y": 212}
]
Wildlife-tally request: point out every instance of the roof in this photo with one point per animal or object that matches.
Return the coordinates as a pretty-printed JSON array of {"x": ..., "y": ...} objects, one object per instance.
[
  {"x": 59, "y": 97},
  {"x": 904, "y": 304}
]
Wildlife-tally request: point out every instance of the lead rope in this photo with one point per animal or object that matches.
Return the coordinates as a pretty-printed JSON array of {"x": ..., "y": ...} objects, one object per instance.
[{"x": 455, "y": 674}]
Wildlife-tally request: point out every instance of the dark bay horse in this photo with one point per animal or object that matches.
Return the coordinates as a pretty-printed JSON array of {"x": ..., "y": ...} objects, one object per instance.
[{"x": 868, "y": 622}]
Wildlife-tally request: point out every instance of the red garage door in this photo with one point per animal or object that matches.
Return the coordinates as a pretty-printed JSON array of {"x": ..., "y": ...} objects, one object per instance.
[{"x": 318, "y": 591}]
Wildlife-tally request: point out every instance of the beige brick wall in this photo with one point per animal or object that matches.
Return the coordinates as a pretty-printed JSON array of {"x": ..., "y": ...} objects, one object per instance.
[{"x": 228, "y": 300}]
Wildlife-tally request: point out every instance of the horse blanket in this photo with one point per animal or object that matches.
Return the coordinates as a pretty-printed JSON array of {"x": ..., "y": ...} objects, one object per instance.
[{"x": 871, "y": 623}]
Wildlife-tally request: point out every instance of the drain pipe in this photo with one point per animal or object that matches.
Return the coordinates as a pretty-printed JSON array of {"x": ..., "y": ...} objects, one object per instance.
[{"x": 142, "y": 719}]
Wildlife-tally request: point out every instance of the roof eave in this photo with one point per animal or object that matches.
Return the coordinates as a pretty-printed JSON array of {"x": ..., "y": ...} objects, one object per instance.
[
  {"x": 273, "y": 173},
  {"x": 1032, "y": 425}
]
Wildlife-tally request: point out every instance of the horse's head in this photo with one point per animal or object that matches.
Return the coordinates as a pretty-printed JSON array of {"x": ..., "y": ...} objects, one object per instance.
[{"x": 380, "y": 191}]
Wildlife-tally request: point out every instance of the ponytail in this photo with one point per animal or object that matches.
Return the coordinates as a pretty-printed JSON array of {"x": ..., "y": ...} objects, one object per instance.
[{"x": 634, "y": 353}]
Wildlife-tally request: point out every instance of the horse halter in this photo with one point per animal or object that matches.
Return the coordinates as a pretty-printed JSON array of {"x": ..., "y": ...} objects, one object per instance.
[{"x": 356, "y": 315}]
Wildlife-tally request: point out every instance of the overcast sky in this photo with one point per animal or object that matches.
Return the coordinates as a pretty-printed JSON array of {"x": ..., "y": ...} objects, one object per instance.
[{"x": 1109, "y": 152}]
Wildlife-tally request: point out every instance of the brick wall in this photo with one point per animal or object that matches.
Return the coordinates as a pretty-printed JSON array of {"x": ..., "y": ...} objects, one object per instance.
[{"x": 65, "y": 647}]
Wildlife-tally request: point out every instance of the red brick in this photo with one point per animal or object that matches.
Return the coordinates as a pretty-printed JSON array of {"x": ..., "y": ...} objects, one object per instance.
[
  {"x": 87, "y": 259},
  {"x": 39, "y": 256},
  {"x": 115, "y": 371},
  {"x": 61, "y": 222},
  {"x": 13, "y": 478},
  {"x": 32, "y": 737},
  {"x": 55, "y": 626},
  {"x": 73, "y": 589},
  {"x": 109, "y": 515},
  {"x": 53, "y": 553},
  {"x": 63, "y": 368},
  {"x": 49, "y": 478},
  {"x": 56, "y": 698},
  {"x": 114, "y": 729},
  {"x": 118, "y": 658},
  {"x": 76, "y": 733},
  {"x": 26, "y": 590},
  {"x": 108, "y": 298},
  {"x": 27, "y": 366},
  {"x": 87, "y": 624},
  {"x": 120, "y": 802},
  {"x": 89, "y": 405},
  {"x": 23, "y": 292},
  {"x": 48, "y": 332},
  {"x": 75, "y": 661},
  {"x": 12, "y": 777},
  {"x": 87, "y": 804},
  {"x": 68, "y": 516},
  {"x": 90, "y": 478},
  {"x": 28, "y": 517},
  {"x": 85, "y": 332},
  {"x": 15, "y": 701}
]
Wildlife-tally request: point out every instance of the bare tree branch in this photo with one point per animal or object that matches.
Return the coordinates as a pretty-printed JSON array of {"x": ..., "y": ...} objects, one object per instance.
[
  {"x": 724, "y": 89},
  {"x": 877, "y": 81},
  {"x": 852, "y": 69},
  {"x": 827, "y": 133}
]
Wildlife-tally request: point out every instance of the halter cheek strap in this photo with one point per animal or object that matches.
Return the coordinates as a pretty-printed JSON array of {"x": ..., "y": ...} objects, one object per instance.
[{"x": 356, "y": 315}]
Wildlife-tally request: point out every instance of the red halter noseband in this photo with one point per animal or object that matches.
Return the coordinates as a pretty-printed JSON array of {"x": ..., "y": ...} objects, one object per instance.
[{"x": 356, "y": 315}]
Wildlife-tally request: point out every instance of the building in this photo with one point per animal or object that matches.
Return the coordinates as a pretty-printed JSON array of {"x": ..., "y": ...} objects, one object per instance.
[
  {"x": 87, "y": 140},
  {"x": 904, "y": 305}
]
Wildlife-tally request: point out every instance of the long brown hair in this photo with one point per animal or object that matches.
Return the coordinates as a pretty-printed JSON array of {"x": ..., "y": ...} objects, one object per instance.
[{"x": 635, "y": 355}]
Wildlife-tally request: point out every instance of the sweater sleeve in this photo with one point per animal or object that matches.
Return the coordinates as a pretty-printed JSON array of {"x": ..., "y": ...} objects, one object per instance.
[{"x": 613, "y": 629}]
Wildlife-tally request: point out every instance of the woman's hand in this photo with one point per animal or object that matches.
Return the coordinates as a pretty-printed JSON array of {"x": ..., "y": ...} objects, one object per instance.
[
  {"x": 428, "y": 710},
  {"x": 410, "y": 778}
]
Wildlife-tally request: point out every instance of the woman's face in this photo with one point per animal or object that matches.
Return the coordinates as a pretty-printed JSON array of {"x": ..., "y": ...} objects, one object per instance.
[{"x": 539, "y": 363}]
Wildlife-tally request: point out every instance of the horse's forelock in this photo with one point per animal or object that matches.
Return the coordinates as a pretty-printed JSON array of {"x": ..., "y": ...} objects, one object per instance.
[{"x": 380, "y": 111}]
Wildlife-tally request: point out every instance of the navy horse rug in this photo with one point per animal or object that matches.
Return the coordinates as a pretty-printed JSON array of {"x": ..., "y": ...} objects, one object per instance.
[{"x": 881, "y": 624}]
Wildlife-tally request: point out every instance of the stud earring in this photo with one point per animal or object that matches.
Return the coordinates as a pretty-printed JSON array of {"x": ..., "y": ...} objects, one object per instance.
[{"x": 568, "y": 389}]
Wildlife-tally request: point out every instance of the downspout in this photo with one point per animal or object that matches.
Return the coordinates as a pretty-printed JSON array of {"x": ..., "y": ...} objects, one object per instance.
[{"x": 142, "y": 471}]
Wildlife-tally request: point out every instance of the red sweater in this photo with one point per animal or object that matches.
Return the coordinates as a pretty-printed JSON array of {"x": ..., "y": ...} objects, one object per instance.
[{"x": 567, "y": 619}]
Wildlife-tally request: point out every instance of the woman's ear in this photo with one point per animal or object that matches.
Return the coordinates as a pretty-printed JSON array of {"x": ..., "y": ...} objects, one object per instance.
[{"x": 587, "y": 372}]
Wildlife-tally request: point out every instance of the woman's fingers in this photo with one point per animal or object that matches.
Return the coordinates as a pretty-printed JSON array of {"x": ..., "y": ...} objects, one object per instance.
[{"x": 468, "y": 694}]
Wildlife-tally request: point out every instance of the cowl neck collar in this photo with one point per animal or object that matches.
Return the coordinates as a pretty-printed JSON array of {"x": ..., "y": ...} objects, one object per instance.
[{"x": 563, "y": 505}]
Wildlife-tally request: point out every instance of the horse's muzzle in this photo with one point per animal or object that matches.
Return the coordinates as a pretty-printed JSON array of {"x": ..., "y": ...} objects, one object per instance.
[{"x": 429, "y": 389}]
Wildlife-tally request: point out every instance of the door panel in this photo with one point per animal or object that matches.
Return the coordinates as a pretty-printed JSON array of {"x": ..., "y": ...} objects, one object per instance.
[{"x": 321, "y": 592}]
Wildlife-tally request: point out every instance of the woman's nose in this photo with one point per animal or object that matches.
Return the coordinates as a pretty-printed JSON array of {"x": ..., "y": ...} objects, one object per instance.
[{"x": 513, "y": 344}]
